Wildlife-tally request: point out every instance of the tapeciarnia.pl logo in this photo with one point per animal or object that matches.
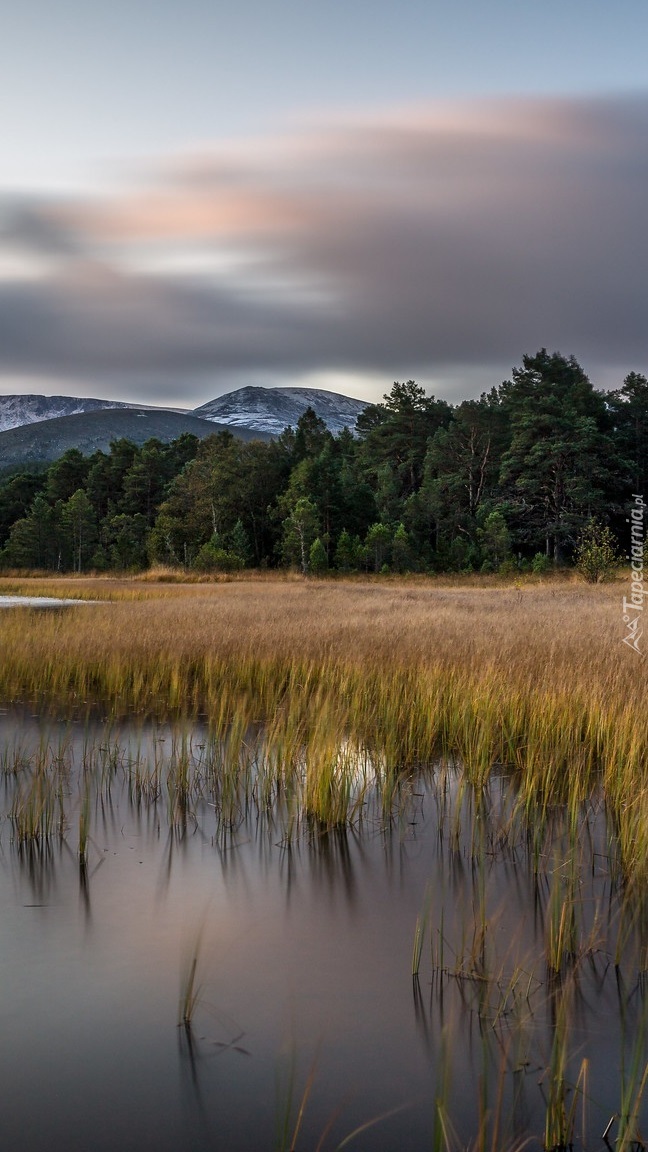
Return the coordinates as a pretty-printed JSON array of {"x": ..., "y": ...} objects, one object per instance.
[{"x": 634, "y": 606}]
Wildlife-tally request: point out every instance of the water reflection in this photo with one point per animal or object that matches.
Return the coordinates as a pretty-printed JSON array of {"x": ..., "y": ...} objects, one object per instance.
[
  {"x": 119, "y": 838},
  {"x": 38, "y": 863},
  {"x": 39, "y": 602}
]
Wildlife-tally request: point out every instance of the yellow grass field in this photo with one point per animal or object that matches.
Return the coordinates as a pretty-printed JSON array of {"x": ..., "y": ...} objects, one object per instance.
[{"x": 533, "y": 677}]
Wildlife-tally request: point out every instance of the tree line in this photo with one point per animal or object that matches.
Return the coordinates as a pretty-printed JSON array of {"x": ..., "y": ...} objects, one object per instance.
[{"x": 516, "y": 479}]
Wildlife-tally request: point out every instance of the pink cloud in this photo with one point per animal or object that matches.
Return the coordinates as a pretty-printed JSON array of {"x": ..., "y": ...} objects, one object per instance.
[{"x": 454, "y": 234}]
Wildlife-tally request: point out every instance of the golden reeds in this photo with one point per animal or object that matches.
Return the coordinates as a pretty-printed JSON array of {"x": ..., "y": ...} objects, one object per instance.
[{"x": 535, "y": 678}]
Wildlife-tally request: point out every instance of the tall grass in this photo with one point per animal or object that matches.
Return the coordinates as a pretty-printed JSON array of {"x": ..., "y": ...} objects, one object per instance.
[{"x": 534, "y": 678}]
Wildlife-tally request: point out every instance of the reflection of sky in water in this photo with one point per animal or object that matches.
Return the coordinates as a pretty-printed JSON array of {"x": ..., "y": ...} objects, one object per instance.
[
  {"x": 304, "y": 950},
  {"x": 37, "y": 602}
]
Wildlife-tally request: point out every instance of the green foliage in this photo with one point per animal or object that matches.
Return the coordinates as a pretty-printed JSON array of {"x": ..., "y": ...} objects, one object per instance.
[
  {"x": 215, "y": 557},
  {"x": 400, "y": 550},
  {"x": 66, "y": 476},
  {"x": 227, "y": 552},
  {"x": 422, "y": 486},
  {"x": 508, "y": 567},
  {"x": 227, "y": 482},
  {"x": 460, "y": 471},
  {"x": 377, "y": 542},
  {"x": 540, "y": 564},
  {"x": 629, "y": 410},
  {"x": 596, "y": 556},
  {"x": 123, "y": 543},
  {"x": 317, "y": 558},
  {"x": 239, "y": 544},
  {"x": 79, "y": 531},
  {"x": 558, "y": 469},
  {"x": 16, "y": 497},
  {"x": 394, "y": 442},
  {"x": 345, "y": 553},
  {"x": 34, "y": 539},
  {"x": 311, "y": 436},
  {"x": 299, "y": 533},
  {"x": 494, "y": 539},
  {"x": 145, "y": 482}
]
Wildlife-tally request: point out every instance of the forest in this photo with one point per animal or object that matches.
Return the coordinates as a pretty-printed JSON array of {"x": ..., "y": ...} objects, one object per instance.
[{"x": 513, "y": 480}]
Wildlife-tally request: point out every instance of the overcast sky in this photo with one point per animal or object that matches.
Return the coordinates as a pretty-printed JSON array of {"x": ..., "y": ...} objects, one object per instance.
[{"x": 198, "y": 196}]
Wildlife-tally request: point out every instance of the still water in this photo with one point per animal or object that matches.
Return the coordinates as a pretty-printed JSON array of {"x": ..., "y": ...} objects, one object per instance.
[
  {"x": 302, "y": 941},
  {"x": 38, "y": 602}
]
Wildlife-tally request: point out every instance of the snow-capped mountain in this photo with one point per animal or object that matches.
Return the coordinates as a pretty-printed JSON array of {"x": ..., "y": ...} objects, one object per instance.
[
  {"x": 267, "y": 410},
  {"x": 273, "y": 409},
  {"x": 15, "y": 411}
]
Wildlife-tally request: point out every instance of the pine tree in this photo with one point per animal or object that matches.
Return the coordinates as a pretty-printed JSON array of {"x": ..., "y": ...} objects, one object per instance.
[
  {"x": 345, "y": 553},
  {"x": 559, "y": 468},
  {"x": 317, "y": 559},
  {"x": 401, "y": 553},
  {"x": 79, "y": 530},
  {"x": 377, "y": 542}
]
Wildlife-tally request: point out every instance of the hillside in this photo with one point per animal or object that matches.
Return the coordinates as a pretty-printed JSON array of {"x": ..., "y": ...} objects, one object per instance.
[
  {"x": 46, "y": 440},
  {"x": 16, "y": 410},
  {"x": 272, "y": 409}
]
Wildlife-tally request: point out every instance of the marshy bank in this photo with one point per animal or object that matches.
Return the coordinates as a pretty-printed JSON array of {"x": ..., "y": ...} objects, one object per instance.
[
  {"x": 534, "y": 678},
  {"x": 395, "y": 834}
]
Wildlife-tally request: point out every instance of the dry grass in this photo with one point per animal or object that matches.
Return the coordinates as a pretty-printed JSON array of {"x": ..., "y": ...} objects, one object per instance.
[{"x": 534, "y": 676}]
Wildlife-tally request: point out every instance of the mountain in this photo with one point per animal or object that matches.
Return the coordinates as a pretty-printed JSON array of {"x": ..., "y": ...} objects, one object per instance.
[
  {"x": 38, "y": 429},
  {"x": 15, "y": 411},
  {"x": 272, "y": 409},
  {"x": 45, "y": 440}
]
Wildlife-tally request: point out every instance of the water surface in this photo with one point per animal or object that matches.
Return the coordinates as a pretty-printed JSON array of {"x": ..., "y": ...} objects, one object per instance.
[
  {"x": 38, "y": 602},
  {"x": 303, "y": 940}
]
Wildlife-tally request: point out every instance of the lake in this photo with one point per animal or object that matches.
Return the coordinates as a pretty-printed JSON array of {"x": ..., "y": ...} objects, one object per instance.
[
  {"x": 131, "y": 857},
  {"x": 37, "y": 602}
]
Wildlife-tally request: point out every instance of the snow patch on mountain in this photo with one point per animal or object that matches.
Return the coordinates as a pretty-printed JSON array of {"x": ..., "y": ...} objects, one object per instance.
[
  {"x": 273, "y": 409},
  {"x": 268, "y": 410},
  {"x": 15, "y": 411}
]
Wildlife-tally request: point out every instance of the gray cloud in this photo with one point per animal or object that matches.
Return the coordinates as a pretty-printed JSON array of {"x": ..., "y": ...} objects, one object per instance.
[
  {"x": 454, "y": 235},
  {"x": 30, "y": 226}
]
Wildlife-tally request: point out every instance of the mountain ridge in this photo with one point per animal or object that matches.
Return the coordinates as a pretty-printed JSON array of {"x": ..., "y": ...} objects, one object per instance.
[
  {"x": 43, "y": 441},
  {"x": 273, "y": 409},
  {"x": 17, "y": 410},
  {"x": 268, "y": 410}
]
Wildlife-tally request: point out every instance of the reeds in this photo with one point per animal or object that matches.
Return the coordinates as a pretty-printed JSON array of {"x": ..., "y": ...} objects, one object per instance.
[
  {"x": 420, "y": 931},
  {"x": 190, "y": 989},
  {"x": 537, "y": 680},
  {"x": 290, "y": 779},
  {"x": 321, "y": 706}
]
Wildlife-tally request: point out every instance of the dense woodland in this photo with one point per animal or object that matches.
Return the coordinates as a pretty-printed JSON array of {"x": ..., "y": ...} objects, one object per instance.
[{"x": 511, "y": 480}]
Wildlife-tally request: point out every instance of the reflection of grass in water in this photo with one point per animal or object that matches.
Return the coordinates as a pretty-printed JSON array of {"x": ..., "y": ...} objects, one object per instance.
[
  {"x": 190, "y": 989},
  {"x": 422, "y": 924},
  {"x": 33, "y": 811},
  {"x": 189, "y": 995},
  {"x": 291, "y": 1112},
  {"x": 513, "y": 1005},
  {"x": 562, "y": 930},
  {"x": 560, "y": 1113},
  {"x": 84, "y": 823},
  {"x": 634, "y": 1075},
  {"x": 285, "y": 1142},
  {"x": 324, "y": 700},
  {"x": 482, "y": 823},
  {"x": 491, "y": 1129}
]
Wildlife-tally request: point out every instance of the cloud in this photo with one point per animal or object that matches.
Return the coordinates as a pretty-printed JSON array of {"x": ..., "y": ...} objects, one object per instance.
[
  {"x": 422, "y": 241},
  {"x": 27, "y": 225}
]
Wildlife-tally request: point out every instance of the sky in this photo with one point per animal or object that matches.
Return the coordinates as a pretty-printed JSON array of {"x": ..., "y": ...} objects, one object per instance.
[{"x": 196, "y": 197}]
